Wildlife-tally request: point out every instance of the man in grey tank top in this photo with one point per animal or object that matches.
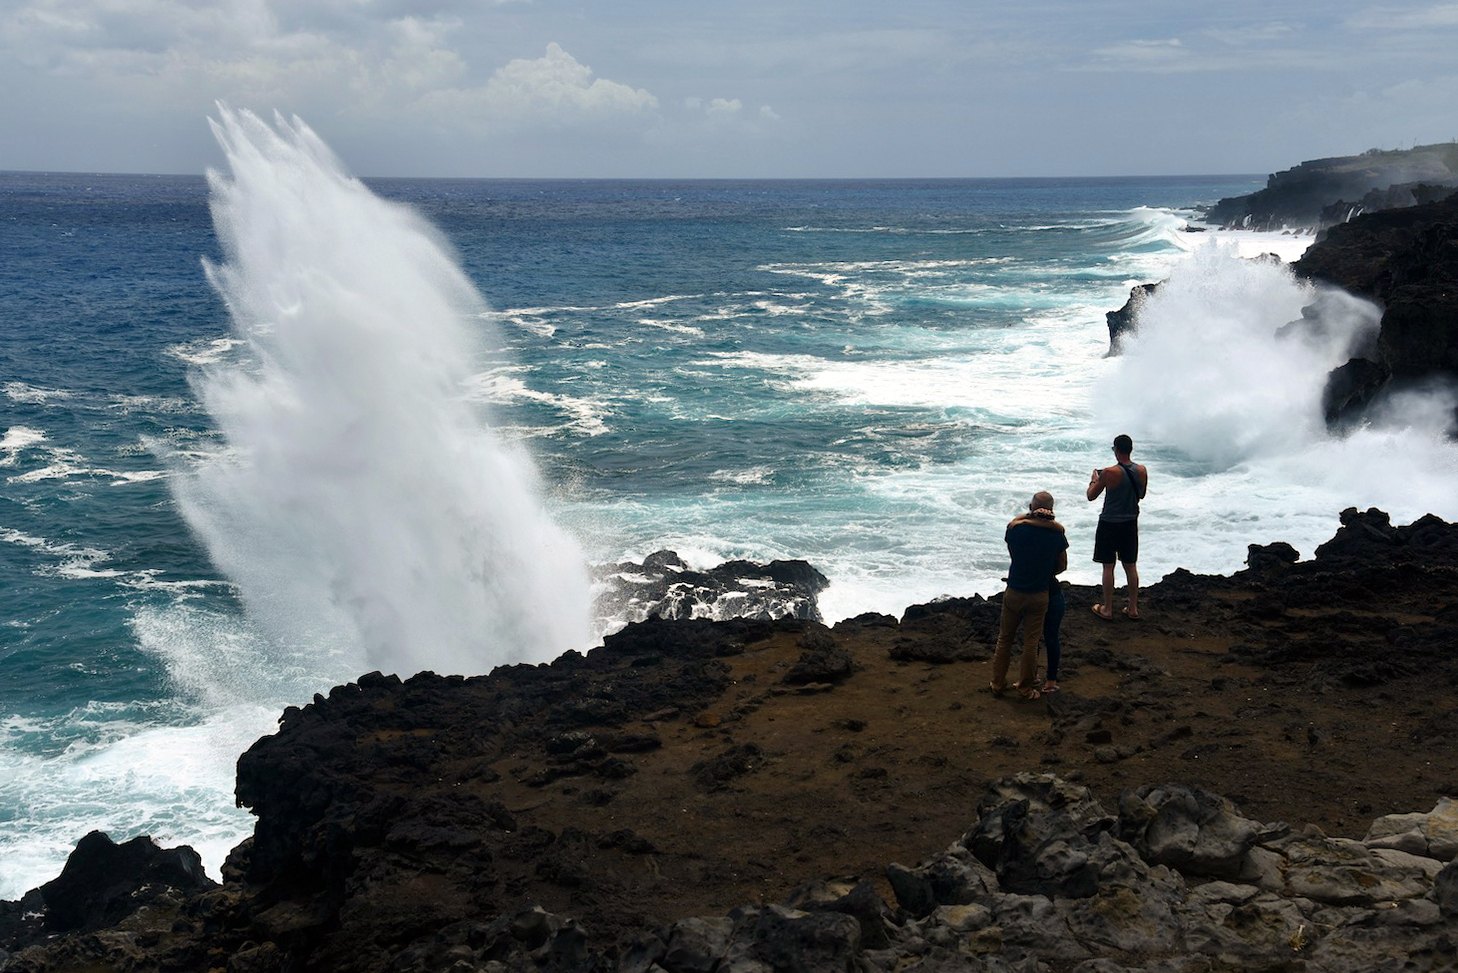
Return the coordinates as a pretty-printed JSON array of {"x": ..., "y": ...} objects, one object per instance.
[{"x": 1123, "y": 485}]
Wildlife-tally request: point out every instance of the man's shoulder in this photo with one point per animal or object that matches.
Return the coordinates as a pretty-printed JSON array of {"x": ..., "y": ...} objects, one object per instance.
[{"x": 1036, "y": 523}]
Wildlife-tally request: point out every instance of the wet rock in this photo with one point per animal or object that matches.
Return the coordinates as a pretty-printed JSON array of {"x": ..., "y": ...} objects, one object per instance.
[
  {"x": 665, "y": 586},
  {"x": 1125, "y": 320}
]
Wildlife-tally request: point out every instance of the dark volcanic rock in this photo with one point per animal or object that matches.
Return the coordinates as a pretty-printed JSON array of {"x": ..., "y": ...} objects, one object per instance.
[
  {"x": 1351, "y": 388},
  {"x": 665, "y": 586},
  {"x": 822, "y": 660},
  {"x": 949, "y": 630},
  {"x": 1301, "y": 196},
  {"x": 1393, "y": 197},
  {"x": 1367, "y": 556},
  {"x": 1126, "y": 319},
  {"x": 103, "y": 881},
  {"x": 1407, "y": 261}
]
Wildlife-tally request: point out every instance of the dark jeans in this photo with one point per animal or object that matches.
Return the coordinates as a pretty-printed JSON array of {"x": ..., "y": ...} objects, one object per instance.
[{"x": 1051, "y": 623}]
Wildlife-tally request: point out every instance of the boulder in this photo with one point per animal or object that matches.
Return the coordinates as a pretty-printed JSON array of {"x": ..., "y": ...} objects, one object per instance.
[
  {"x": 1433, "y": 835},
  {"x": 950, "y": 877},
  {"x": 103, "y": 881},
  {"x": 1195, "y": 831}
]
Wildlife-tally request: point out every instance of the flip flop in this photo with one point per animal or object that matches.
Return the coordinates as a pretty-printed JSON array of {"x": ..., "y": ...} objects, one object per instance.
[
  {"x": 1027, "y": 692},
  {"x": 997, "y": 693},
  {"x": 1130, "y": 615},
  {"x": 1108, "y": 618},
  {"x": 1050, "y": 689}
]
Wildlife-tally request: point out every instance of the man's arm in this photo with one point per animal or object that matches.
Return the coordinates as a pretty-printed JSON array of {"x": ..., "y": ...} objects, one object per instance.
[
  {"x": 1096, "y": 484},
  {"x": 1062, "y": 562}
]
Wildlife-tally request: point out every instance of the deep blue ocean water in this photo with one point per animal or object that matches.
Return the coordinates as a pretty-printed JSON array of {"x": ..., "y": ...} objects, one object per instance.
[{"x": 870, "y": 375}]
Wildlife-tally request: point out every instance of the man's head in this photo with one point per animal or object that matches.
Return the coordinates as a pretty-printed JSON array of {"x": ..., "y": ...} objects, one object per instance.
[
  {"x": 1123, "y": 445},
  {"x": 1042, "y": 500}
]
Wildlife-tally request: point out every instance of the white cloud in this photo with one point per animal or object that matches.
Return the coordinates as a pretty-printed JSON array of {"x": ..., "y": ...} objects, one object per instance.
[
  {"x": 1254, "y": 34},
  {"x": 1144, "y": 55},
  {"x": 725, "y": 107},
  {"x": 1431, "y": 17},
  {"x": 552, "y": 90}
]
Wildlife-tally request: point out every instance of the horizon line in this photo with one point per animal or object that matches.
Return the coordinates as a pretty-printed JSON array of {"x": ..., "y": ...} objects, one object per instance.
[{"x": 1044, "y": 178}]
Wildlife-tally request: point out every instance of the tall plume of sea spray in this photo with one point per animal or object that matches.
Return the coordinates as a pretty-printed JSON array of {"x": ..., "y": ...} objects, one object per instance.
[
  {"x": 363, "y": 507},
  {"x": 1224, "y": 363}
]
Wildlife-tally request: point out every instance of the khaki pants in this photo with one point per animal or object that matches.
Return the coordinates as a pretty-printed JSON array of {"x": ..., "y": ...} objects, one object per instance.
[{"x": 1026, "y": 609}]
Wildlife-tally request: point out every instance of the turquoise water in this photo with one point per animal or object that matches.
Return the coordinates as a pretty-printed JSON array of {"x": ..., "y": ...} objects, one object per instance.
[{"x": 433, "y": 400}]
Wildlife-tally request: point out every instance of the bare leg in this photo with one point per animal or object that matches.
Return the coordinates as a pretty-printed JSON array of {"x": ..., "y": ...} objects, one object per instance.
[
  {"x": 1106, "y": 608},
  {"x": 1131, "y": 572}
]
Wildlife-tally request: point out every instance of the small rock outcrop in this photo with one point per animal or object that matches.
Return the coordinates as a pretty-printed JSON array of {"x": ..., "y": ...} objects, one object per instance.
[
  {"x": 1126, "y": 318},
  {"x": 664, "y": 585}
]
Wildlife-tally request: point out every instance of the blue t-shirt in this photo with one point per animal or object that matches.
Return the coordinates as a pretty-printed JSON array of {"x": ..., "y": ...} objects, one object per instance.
[{"x": 1035, "y": 552}]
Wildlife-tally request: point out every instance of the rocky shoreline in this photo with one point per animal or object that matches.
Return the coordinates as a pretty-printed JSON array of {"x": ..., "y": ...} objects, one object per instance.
[
  {"x": 778, "y": 795},
  {"x": 744, "y": 795},
  {"x": 1325, "y": 192}
]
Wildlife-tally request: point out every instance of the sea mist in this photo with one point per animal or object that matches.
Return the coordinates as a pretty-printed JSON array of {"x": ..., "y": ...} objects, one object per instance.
[
  {"x": 363, "y": 508},
  {"x": 1222, "y": 387}
]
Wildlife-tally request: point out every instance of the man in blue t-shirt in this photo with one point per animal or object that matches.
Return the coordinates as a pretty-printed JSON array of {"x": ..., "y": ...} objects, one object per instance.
[{"x": 1039, "y": 549}]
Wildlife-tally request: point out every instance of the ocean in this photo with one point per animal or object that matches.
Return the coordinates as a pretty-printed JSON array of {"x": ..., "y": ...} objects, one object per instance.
[{"x": 267, "y": 430}]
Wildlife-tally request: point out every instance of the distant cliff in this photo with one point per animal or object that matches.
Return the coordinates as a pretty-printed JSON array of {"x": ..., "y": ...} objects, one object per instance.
[{"x": 1324, "y": 192}]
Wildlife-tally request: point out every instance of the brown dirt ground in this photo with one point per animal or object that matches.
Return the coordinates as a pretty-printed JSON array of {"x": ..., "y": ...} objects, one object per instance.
[{"x": 890, "y": 764}]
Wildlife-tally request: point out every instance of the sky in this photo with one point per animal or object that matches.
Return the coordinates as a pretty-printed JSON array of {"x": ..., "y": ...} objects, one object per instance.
[{"x": 748, "y": 89}]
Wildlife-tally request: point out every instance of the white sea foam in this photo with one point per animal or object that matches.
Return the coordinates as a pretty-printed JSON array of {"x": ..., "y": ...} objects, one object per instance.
[
  {"x": 68, "y": 560},
  {"x": 152, "y": 405},
  {"x": 208, "y": 351},
  {"x": 744, "y": 477},
  {"x": 671, "y": 326},
  {"x": 367, "y": 510},
  {"x": 586, "y": 416},
  {"x": 32, "y": 394},
  {"x": 67, "y": 464},
  {"x": 18, "y": 438},
  {"x": 125, "y": 778},
  {"x": 1229, "y": 398}
]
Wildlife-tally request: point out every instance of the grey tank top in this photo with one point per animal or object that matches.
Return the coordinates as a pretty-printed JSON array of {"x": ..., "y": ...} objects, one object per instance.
[{"x": 1121, "y": 503}]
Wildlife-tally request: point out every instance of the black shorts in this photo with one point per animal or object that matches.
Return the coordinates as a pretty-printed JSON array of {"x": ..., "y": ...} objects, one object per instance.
[{"x": 1117, "y": 540}]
